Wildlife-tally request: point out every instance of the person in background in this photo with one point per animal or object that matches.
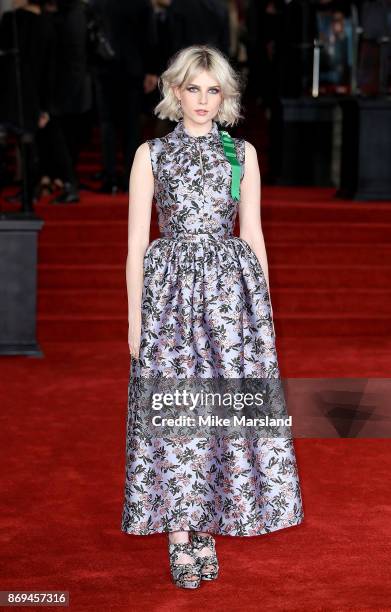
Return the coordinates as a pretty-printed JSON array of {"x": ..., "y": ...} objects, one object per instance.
[
  {"x": 235, "y": 12},
  {"x": 163, "y": 32},
  {"x": 163, "y": 45},
  {"x": 122, "y": 80},
  {"x": 11, "y": 5},
  {"x": 199, "y": 22},
  {"x": 27, "y": 77},
  {"x": 72, "y": 95}
]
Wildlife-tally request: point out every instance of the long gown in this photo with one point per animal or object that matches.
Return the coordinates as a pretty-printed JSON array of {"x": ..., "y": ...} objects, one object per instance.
[{"x": 206, "y": 312}]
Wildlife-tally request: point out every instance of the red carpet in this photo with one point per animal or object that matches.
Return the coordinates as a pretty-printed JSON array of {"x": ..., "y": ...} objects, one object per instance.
[{"x": 63, "y": 420}]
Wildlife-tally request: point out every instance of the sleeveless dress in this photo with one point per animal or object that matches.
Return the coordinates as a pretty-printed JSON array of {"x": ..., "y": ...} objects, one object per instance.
[{"x": 205, "y": 311}]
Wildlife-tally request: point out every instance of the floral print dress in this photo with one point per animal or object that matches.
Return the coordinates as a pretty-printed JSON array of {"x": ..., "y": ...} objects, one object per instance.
[{"x": 206, "y": 312}]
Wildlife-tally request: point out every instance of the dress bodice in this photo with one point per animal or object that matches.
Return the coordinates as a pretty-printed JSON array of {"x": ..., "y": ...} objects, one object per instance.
[{"x": 193, "y": 183}]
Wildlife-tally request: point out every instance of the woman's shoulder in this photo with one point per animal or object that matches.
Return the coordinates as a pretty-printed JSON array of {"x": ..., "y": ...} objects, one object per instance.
[
  {"x": 158, "y": 141},
  {"x": 152, "y": 150},
  {"x": 245, "y": 145},
  {"x": 243, "y": 148},
  {"x": 156, "y": 146},
  {"x": 239, "y": 140},
  {"x": 245, "y": 151},
  {"x": 242, "y": 144},
  {"x": 249, "y": 147}
]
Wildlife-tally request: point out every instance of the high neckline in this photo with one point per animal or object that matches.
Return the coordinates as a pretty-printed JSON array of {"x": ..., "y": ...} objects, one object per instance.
[{"x": 181, "y": 132}]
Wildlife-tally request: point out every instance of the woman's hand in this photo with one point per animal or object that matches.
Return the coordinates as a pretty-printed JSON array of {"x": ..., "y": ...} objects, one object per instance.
[
  {"x": 43, "y": 120},
  {"x": 134, "y": 334},
  {"x": 150, "y": 82}
]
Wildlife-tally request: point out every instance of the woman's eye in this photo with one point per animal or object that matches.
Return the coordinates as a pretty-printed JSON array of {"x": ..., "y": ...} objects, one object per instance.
[{"x": 211, "y": 90}]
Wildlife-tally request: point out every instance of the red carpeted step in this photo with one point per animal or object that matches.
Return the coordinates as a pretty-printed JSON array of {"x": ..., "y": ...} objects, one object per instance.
[
  {"x": 66, "y": 231},
  {"x": 112, "y": 276},
  {"x": 82, "y": 302},
  {"x": 293, "y": 300},
  {"x": 115, "y": 230},
  {"x": 316, "y": 276},
  {"x": 328, "y": 231},
  {"x": 104, "y": 206},
  {"x": 93, "y": 207},
  {"x": 89, "y": 328},
  {"x": 86, "y": 254},
  {"x": 329, "y": 254},
  {"x": 278, "y": 253},
  {"x": 93, "y": 327},
  {"x": 288, "y": 301}
]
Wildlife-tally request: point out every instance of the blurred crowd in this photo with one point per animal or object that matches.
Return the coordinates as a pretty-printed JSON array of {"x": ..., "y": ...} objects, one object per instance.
[{"x": 68, "y": 65}]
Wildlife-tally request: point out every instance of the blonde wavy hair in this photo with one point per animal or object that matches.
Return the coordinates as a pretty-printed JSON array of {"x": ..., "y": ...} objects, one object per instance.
[{"x": 188, "y": 63}]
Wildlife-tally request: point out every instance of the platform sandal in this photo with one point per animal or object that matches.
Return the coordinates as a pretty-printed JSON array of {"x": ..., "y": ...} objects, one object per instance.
[
  {"x": 184, "y": 575},
  {"x": 209, "y": 565}
]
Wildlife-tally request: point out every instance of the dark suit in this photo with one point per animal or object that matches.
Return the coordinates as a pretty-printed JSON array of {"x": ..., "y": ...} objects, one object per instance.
[
  {"x": 195, "y": 22},
  {"x": 35, "y": 41},
  {"x": 20, "y": 109},
  {"x": 130, "y": 28},
  {"x": 62, "y": 139}
]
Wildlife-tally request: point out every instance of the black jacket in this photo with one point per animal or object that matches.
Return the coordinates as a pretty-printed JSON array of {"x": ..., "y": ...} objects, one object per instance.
[
  {"x": 73, "y": 90},
  {"x": 130, "y": 27},
  {"x": 199, "y": 22},
  {"x": 35, "y": 41}
]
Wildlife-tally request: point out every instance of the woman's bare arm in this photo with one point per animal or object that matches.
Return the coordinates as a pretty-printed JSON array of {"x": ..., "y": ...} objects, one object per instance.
[
  {"x": 250, "y": 209},
  {"x": 141, "y": 187}
]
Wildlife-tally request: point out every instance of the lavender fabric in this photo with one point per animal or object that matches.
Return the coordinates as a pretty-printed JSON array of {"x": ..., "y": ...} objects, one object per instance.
[{"x": 206, "y": 312}]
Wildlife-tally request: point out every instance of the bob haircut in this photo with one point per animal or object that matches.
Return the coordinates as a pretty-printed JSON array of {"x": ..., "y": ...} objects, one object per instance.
[{"x": 188, "y": 63}]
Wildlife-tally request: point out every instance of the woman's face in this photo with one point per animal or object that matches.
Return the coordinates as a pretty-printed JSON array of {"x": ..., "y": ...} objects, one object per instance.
[{"x": 202, "y": 93}]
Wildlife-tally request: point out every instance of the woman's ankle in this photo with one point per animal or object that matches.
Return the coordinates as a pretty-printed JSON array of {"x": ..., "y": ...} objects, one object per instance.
[{"x": 178, "y": 537}]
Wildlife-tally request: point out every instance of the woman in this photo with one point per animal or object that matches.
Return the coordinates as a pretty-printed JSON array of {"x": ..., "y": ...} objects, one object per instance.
[{"x": 199, "y": 307}]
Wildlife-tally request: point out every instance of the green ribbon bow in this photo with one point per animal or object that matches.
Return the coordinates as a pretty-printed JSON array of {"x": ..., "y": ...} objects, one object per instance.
[{"x": 230, "y": 153}]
